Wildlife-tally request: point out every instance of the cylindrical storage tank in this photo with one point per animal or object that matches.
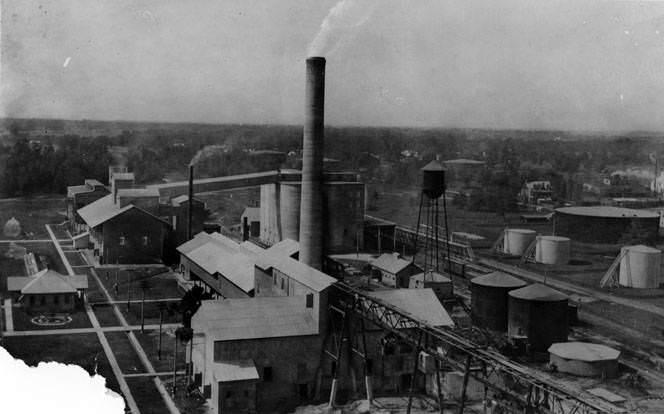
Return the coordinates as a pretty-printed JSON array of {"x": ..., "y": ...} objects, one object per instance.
[
  {"x": 268, "y": 214},
  {"x": 585, "y": 359},
  {"x": 488, "y": 299},
  {"x": 552, "y": 250},
  {"x": 433, "y": 179},
  {"x": 516, "y": 241},
  {"x": 289, "y": 211},
  {"x": 640, "y": 267},
  {"x": 538, "y": 313}
]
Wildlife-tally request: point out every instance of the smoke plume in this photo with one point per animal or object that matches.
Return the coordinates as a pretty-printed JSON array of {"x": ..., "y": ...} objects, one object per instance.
[{"x": 341, "y": 21}]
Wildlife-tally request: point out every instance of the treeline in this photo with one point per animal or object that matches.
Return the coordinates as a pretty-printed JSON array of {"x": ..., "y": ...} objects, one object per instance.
[{"x": 33, "y": 167}]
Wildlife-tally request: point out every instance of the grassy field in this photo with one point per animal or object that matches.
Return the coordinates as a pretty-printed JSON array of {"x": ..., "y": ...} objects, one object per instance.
[
  {"x": 125, "y": 354},
  {"x": 105, "y": 315},
  {"x": 162, "y": 285},
  {"x": 146, "y": 395},
  {"x": 33, "y": 214},
  {"x": 22, "y": 321},
  {"x": 150, "y": 342}
]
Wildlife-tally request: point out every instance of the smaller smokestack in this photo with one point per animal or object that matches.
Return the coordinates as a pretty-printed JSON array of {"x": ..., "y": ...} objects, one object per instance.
[{"x": 190, "y": 211}]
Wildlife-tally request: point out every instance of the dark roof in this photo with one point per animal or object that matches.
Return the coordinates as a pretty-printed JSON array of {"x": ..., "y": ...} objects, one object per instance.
[
  {"x": 434, "y": 165},
  {"x": 294, "y": 269},
  {"x": 538, "y": 293}
]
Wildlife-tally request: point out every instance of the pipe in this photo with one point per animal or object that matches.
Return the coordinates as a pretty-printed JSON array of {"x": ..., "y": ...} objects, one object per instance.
[{"x": 311, "y": 199}]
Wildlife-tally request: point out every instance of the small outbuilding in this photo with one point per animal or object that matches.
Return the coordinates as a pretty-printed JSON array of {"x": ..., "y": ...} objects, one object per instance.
[
  {"x": 48, "y": 290},
  {"x": 395, "y": 271}
]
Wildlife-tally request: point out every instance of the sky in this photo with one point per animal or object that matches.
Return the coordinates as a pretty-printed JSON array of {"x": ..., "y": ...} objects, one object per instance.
[{"x": 527, "y": 64}]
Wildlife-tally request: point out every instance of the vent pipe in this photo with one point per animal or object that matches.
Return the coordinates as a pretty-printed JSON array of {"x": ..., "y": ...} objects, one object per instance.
[{"x": 311, "y": 201}]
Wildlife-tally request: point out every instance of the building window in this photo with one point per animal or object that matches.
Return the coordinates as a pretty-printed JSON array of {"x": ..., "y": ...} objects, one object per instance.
[
  {"x": 229, "y": 394},
  {"x": 310, "y": 300},
  {"x": 207, "y": 391},
  {"x": 67, "y": 299},
  {"x": 267, "y": 374},
  {"x": 43, "y": 300},
  {"x": 246, "y": 393},
  {"x": 32, "y": 300},
  {"x": 282, "y": 283},
  {"x": 145, "y": 240},
  {"x": 56, "y": 299},
  {"x": 274, "y": 278},
  {"x": 122, "y": 241}
]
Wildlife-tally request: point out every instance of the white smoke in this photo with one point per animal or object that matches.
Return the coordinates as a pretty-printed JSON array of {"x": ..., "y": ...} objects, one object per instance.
[{"x": 341, "y": 21}]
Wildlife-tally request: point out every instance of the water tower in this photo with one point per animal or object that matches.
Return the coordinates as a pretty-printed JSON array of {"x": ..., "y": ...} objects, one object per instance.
[{"x": 429, "y": 230}]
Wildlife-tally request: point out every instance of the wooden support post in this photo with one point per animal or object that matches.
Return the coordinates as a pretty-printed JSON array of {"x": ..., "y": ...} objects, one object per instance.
[
  {"x": 416, "y": 354},
  {"x": 335, "y": 374},
  {"x": 438, "y": 390},
  {"x": 368, "y": 369},
  {"x": 466, "y": 375}
]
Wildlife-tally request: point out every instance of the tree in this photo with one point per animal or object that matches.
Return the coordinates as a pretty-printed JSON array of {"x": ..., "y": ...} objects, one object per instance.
[{"x": 184, "y": 335}]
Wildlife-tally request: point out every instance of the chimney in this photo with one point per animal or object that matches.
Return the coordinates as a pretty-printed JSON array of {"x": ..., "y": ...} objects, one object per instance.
[
  {"x": 190, "y": 203},
  {"x": 311, "y": 202}
]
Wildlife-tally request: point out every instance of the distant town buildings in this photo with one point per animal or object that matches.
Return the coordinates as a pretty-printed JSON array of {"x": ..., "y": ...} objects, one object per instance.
[{"x": 536, "y": 192}]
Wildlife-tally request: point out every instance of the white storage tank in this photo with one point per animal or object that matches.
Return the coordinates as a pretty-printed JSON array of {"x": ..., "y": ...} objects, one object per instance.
[
  {"x": 552, "y": 250},
  {"x": 640, "y": 267},
  {"x": 516, "y": 241}
]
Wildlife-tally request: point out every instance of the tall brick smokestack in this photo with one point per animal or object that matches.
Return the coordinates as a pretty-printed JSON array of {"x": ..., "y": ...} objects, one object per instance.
[{"x": 311, "y": 202}]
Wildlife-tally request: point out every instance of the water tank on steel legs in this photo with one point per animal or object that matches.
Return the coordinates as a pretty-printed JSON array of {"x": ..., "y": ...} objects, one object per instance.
[
  {"x": 433, "y": 179},
  {"x": 553, "y": 250},
  {"x": 640, "y": 267},
  {"x": 289, "y": 211},
  {"x": 516, "y": 241},
  {"x": 538, "y": 313},
  {"x": 488, "y": 299}
]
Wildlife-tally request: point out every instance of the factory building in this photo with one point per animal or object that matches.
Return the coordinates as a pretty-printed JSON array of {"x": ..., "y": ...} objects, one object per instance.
[
  {"x": 48, "y": 291},
  {"x": 177, "y": 213},
  {"x": 220, "y": 265},
  {"x": 605, "y": 224},
  {"x": 123, "y": 233},
  {"x": 394, "y": 271},
  {"x": 79, "y": 196}
]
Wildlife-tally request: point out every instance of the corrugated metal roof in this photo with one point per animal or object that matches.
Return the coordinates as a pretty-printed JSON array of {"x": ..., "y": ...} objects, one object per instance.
[
  {"x": 238, "y": 370},
  {"x": 422, "y": 304},
  {"x": 307, "y": 275},
  {"x": 285, "y": 247},
  {"x": 216, "y": 253},
  {"x": 538, "y": 292},
  {"x": 123, "y": 175},
  {"x": 392, "y": 263},
  {"x": 260, "y": 317},
  {"x": 77, "y": 189},
  {"x": 252, "y": 247},
  {"x": 498, "y": 279},
  {"x": 607, "y": 211},
  {"x": 47, "y": 281}
]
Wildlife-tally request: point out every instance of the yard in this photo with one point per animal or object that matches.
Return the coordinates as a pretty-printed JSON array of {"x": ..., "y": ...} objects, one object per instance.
[
  {"x": 162, "y": 285},
  {"x": 149, "y": 340},
  {"x": 33, "y": 214},
  {"x": 80, "y": 349},
  {"x": 146, "y": 395},
  {"x": 124, "y": 353},
  {"x": 22, "y": 320}
]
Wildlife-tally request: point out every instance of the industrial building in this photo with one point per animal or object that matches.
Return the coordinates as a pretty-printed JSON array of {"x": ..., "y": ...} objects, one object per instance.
[
  {"x": 250, "y": 222},
  {"x": 605, "y": 224},
  {"x": 536, "y": 192},
  {"x": 79, "y": 196}
]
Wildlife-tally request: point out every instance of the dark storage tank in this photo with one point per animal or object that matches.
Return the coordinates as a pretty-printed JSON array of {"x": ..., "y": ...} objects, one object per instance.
[
  {"x": 538, "y": 313},
  {"x": 488, "y": 299},
  {"x": 433, "y": 179}
]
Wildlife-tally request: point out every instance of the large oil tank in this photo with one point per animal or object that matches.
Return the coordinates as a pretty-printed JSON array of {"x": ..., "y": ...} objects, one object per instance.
[
  {"x": 289, "y": 211},
  {"x": 516, "y": 241},
  {"x": 640, "y": 267},
  {"x": 538, "y": 313},
  {"x": 488, "y": 299},
  {"x": 553, "y": 250}
]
